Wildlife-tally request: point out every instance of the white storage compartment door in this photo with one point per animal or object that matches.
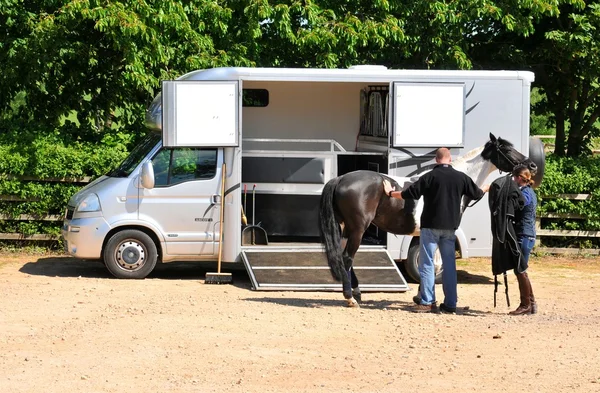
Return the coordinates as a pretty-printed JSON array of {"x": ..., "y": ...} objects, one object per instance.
[
  {"x": 200, "y": 113},
  {"x": 427, "y": 114}
]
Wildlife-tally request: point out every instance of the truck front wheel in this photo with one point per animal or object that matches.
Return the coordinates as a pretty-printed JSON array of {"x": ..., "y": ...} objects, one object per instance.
[
  {"x": 412, "y": 264},
  {"x": 130, "y": 254}
]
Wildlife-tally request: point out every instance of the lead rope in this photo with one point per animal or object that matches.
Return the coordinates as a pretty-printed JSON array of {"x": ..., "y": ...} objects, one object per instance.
[
  {"x": 495, "y": 288},
  {"x": 506, "y": 289}
]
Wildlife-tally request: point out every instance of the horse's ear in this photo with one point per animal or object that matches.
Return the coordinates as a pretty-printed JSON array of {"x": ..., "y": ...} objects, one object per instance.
[{"x": 492, "y": 137}]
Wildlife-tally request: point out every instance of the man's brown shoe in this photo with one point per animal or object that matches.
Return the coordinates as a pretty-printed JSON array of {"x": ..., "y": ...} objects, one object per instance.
[{"x": 422, "y": 308}]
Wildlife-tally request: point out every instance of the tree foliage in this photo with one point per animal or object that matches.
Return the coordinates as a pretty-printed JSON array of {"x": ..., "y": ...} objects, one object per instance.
[
  {"x": 563, "y": 51},
  {"x": 91, "y": 67},
  {"x": 102, "y": 61}
]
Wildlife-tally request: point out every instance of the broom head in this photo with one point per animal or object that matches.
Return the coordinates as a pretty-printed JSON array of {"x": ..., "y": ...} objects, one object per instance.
[{"x": 218, "y": 278}]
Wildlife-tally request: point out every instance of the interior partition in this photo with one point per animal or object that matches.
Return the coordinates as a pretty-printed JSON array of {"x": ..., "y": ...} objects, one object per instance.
[{"x": 305, "y": 136}]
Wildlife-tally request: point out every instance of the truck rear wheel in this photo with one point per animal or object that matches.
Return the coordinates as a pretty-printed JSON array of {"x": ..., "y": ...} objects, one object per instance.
[
  {"x": 412, "y": 264},
  {"x": 130, "y": 254}
]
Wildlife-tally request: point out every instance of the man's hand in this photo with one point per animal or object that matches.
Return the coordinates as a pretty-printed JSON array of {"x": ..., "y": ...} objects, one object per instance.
[
  {"x": 485, "y": 188},
  {"x": 387, "y": 187}
]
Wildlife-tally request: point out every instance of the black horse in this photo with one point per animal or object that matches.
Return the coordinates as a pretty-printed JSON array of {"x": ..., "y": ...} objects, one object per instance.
[{"x": 353, "y": 201}]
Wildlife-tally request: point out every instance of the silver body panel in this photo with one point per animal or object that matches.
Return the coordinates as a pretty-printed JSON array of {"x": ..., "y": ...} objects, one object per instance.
[{"x": 304, "y": 105}]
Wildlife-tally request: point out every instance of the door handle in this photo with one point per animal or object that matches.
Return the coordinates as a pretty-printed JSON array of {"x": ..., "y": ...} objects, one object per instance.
[{"x": 215, "y": 199}]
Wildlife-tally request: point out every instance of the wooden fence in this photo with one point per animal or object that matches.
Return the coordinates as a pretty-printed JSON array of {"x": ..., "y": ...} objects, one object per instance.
[
  {"x": 29, "y": 217},
  {"x": 541, "y": 233},
  {"x": 549, "y": 146}
]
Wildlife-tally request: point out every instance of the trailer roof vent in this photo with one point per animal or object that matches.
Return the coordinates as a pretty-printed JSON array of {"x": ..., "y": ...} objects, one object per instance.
[{"x": 368, "y": 67}]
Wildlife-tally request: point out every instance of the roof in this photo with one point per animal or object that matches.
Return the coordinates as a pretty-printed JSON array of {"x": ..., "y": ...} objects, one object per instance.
[{"x": 367, "y": 74}]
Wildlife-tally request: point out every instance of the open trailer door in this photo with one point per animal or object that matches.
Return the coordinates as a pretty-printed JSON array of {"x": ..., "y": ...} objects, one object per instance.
[
  {"x": 427, "y": 114},
  {"x": 200, "y": 113},
  {"x": 200, "y": 119}
]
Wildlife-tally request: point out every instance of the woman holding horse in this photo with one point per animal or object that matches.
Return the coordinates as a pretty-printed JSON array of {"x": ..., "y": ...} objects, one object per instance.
[
  {"x": 525, "y": 230},
  {"x": 442, "y": 190}
]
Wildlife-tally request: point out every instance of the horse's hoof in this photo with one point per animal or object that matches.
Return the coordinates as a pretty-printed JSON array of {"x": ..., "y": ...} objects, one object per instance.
[
  {"x": 352, "y": 303},
  {"x": 357, "y": 295}
]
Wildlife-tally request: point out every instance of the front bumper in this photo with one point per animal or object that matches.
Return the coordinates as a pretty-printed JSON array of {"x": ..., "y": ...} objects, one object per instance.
[{"x": 83, "y": 237}]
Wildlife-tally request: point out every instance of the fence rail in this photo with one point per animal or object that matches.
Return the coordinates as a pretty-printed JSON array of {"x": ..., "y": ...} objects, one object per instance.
[
  {"x": 540, "y": 232},
  {"x": 562, "y": 232},
  {"x": 550, "y": 145},
  {"x": 33, "y": 217},
  {"x": 34, "y": 237}
]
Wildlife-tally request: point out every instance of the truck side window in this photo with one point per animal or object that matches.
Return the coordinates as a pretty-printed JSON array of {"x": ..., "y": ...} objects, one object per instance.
[
  {"x": 160, "y": 162},
  {"x": 174, "y": 166}
]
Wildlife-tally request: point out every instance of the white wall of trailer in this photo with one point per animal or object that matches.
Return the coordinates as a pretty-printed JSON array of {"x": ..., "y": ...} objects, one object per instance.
[
  {"x": 501, "y": 107},
  {"x": 326, "y": 104},
  {"x": 307, "y": 110}
]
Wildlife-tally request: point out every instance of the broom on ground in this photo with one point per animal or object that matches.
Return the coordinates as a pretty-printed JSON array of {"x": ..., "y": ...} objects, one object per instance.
[{"x": 218, "y": 277}]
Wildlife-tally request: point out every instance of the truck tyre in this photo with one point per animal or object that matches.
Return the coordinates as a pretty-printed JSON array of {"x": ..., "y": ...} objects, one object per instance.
[
  {"x": 412, "y": 264},
  {"x": 130, "y": 254}
]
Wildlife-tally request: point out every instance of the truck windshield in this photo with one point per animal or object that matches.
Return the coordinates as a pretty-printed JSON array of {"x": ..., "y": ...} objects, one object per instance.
[{"x": 136, "y": 156}]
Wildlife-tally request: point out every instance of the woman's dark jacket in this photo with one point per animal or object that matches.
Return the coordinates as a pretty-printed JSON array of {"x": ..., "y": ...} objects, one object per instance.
[{"x": 505, "y": 200}]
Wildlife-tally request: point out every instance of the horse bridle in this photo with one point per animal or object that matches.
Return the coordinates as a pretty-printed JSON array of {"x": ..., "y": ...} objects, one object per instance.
[{"x": 514, "y": 164}]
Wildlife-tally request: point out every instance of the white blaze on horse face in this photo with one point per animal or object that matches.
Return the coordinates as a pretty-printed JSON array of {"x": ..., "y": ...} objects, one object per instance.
[{"x": 474, "y": 166}]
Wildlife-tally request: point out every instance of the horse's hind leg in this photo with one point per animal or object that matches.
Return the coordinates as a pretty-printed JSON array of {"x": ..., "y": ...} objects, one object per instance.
[
  {"x": 355, "y": 289},
  {"x": 349, "y": 284},
  {"x": 351, "y": 289}
]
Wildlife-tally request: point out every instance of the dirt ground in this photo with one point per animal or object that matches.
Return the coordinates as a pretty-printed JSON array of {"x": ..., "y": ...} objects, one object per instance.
[{"x": 67, "y": 326}]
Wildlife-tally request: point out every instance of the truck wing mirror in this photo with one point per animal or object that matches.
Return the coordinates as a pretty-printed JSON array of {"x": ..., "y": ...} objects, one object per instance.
[{"x": 147, "y": 176}]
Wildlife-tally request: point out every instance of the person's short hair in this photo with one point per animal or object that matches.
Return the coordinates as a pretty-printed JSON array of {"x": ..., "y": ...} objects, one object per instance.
[{"x": 442, "y": 153}]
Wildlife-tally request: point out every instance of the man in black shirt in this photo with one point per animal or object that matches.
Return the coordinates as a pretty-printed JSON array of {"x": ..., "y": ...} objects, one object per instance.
[{"x": 442, "y": 190}]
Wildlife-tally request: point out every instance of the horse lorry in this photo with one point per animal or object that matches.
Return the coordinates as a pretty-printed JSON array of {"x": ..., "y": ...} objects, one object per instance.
[{"x": 280, "y": 134}]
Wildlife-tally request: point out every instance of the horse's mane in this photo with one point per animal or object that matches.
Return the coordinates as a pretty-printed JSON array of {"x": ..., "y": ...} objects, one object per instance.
[
  {"x": 467, "y": 157},
  {"x": 504, "y": 142}
]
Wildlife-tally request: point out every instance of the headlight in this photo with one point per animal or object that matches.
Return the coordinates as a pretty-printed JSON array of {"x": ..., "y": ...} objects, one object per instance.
[{"x": 91, "y": 203}]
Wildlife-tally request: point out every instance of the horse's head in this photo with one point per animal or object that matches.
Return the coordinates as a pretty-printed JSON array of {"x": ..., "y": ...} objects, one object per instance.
[
  {"x": 497, "y": 153},
  {"x": 504, "y": 156}
]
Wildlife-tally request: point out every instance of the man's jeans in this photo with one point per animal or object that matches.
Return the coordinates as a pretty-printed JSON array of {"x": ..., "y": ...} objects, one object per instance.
[{"x": 430, "y": 240}]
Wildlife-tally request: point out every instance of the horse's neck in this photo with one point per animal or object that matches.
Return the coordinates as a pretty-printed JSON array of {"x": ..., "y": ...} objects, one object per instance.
[{"x": 474, "y": 166}]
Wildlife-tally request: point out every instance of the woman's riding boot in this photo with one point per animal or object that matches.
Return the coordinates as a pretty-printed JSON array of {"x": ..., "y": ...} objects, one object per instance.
[
  {"x": 525, "y": 292},
  {"x": 533, "y": 305},
  {"x": 532, "y": 298}
]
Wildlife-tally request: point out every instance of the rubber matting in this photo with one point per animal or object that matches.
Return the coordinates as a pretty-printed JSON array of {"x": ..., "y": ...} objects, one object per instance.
[{"x": 305, "y": 270}]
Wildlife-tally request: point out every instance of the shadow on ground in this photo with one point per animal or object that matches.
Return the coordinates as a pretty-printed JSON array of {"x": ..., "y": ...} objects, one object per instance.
[
  {"x": 72, "y": 267},
  {"x": 465, "y": 277},
  {"x": 338, "y": 301}
]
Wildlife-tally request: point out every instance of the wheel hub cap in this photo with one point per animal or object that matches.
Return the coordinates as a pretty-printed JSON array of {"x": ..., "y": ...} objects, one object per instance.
[{"x": 130, "y": 255}]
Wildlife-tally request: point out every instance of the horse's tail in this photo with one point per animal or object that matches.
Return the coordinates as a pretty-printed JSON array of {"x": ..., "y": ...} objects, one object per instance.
[{"x": 330, "y": 231}]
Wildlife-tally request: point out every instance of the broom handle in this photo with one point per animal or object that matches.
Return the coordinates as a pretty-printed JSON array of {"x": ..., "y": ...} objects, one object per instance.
[{"x": 221, "y": 218}]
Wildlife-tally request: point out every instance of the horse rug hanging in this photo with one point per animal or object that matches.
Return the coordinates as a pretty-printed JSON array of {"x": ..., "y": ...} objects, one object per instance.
[{"x": 505, "y": 199}]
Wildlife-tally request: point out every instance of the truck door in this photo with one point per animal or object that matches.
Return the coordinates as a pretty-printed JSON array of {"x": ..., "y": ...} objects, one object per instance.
[
  {"x": 427, "y": 114},
  {"x": 184, "y": 203},
  {"x": 199, "y": 119}
]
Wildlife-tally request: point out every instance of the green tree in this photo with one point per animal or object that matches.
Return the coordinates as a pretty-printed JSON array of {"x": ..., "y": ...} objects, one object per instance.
[
  {"x": 102, "y": 61},
  {"x": 563, "y": 51}
]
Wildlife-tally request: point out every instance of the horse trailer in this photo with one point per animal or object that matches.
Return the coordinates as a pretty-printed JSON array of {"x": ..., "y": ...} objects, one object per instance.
[{"x": 283, "y": 133}]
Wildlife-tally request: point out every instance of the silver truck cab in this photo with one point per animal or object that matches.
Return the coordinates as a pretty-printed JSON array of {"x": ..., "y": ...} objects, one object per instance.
[{"x": 139, "y": 213}]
